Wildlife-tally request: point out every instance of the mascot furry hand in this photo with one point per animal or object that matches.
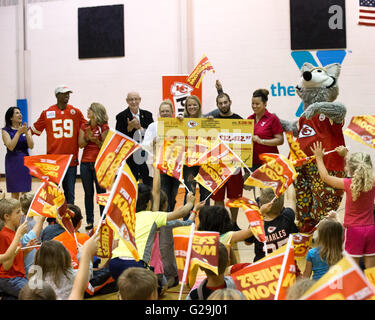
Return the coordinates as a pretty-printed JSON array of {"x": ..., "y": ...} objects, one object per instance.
[{"x": 322, "y": 120}]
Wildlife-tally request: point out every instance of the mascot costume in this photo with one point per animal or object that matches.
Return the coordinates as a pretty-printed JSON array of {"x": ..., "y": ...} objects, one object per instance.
[{"x": 322, "y": 120}]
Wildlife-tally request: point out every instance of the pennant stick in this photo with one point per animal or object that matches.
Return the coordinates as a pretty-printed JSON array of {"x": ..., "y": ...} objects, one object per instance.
[
  {"x": 187, "y": 262},
  {"x": 31, "y": 247},
  {"x": 235, "y": 154},
  {"x": 265, "y": 248},
  {"x": 282, "y": 271}
]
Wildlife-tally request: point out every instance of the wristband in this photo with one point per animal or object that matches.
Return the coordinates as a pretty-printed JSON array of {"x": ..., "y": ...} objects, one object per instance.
[{"x": 193, "y": 211}]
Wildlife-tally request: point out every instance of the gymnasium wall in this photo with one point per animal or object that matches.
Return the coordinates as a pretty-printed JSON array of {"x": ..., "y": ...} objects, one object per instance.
[{"x": 247, "y": 42}]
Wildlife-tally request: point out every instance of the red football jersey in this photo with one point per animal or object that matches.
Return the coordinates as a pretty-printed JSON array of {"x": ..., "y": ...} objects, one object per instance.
[
  {"x": 320, "y": 129},
  {"x": 62, "y": 129}
]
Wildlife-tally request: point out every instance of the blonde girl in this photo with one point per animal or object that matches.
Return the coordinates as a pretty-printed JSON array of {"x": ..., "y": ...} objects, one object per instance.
[{"x": 359, "y": 206}]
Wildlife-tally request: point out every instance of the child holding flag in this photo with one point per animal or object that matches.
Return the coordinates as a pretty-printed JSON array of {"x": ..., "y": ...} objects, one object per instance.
[
  {"x": 359, "y": 220},
  {"x": 278, "y": 223}
]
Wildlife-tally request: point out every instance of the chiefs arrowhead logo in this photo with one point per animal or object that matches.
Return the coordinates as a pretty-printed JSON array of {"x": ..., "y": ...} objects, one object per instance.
[
  {"x": 306, "y": 131},
  {"x": 271, "y": 229},
  {"x": 180, "y": 89}
]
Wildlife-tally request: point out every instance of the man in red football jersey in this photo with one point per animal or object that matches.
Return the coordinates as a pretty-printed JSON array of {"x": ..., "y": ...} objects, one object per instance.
[{"x": 62, "y": 122}]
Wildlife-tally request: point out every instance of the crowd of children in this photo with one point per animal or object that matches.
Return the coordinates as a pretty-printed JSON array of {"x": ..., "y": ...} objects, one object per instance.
[{"x": 49, "y": 263}]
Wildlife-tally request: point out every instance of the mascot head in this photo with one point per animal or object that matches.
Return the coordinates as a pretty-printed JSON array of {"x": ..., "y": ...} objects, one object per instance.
[{"x": 318, "y": 84}]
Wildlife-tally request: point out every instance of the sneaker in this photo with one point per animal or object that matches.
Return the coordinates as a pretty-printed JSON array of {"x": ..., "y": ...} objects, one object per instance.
[{"x": 89, "y": 227}]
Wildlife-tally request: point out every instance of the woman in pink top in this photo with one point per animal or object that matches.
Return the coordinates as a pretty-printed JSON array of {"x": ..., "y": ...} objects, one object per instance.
[
  {"x": 91, "y": 137},
  {"x": 359, "y": 220},
  {"x": 268, "y": 133}
]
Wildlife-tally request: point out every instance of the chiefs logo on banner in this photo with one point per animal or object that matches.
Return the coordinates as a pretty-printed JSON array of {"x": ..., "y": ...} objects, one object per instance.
[
  {"x": 177, "y": 89},
  {"x": 302, "y": 244},
  {"x": 51, "y": 167},
  {"x": 120, "y": 208},
  {"x": 116, "y": 148}
]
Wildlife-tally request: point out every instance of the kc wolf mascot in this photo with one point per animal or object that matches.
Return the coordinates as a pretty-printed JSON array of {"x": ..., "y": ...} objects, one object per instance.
[{"x": 322, "y": 120}]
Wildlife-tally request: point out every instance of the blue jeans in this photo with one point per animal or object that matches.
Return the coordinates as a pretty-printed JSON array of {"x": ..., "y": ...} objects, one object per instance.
[
  {"x": 118, "y": 266},
  {"x": 88, "y": 177},
  {"x": 12, "y": 286},
  {"x": 69, "y": 184}
]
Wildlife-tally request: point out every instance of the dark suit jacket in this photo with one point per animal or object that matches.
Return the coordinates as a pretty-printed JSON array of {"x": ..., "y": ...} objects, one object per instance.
[{"x": 145, "y": 118}]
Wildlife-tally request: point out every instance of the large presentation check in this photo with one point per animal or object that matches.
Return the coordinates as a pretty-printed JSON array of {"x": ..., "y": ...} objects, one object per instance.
[{"x": 195, "y": 132}]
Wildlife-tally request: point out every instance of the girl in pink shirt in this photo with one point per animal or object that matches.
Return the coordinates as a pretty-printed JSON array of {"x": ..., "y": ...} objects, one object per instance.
[{"x": 359, "y": 206}]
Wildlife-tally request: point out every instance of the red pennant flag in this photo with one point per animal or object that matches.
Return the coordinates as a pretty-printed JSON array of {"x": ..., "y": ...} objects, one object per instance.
[
  {"x": 120, "y": 209},
  {"x": 171, "y": 157},
  {"x": 277, "y": 173},
  {"x": 343, "y": 281},
  {"x": 302, "y": 244},
  {"x": 362, "y": 129},
  {"x": 51, "y": 167},
  {"x": 203, "y": 66},
  {"x": 116, "y": 148},
  {"x": 105, "y": 241},
  {"x": 102, "y": 198},
  {"x": 261, "y": 280}
]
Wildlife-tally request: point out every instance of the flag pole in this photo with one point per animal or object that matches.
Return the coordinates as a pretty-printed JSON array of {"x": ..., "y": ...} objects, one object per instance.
[
  {"x": 235, "y": 154},
  {"x": 187, "y": 261}
]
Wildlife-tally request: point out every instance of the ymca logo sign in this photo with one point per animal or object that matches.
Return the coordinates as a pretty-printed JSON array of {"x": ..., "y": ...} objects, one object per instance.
[{"x": 323, "y": 58}]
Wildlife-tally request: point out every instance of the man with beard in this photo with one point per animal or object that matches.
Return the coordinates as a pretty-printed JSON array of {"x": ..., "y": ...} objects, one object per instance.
[{"x": 234, "y": 186}]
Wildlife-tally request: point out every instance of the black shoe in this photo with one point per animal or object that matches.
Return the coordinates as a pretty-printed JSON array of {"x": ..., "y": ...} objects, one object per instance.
[{"x": 89, "y": 227}]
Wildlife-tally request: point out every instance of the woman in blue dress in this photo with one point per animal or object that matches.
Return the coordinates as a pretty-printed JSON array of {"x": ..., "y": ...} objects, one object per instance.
[{"x": 18, "y": 140}]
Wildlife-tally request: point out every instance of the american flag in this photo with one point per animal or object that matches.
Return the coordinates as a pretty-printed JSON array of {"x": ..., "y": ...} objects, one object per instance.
[{"x": 366, "y": 13}]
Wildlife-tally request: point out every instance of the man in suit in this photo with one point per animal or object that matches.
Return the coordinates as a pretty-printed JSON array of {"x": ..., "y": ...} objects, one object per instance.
[{"x": 133, "y": 122}]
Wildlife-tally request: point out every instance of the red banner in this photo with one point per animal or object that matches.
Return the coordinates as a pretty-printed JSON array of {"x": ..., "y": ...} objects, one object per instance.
[
  {"x": 50, "y": 167},
  {"x": 102, "y": 198},
  {"x": 362, "y": 129},
  {"x": 302, "y": 244},
  {"x": 105, "y": 241},
  {"x": 176, "y": 89},
  {"x": 261, "y": 280},
  {"x": 343, "y": 281},
  {"x": 204, "y": 253},
  {"x": 196, "y": 76},
  {"x": 277, "y": 173},
  {"x": 116, "y": 148},
  {"x": 49, "y": 201},
  {"x": 253, "y": 215},
  {"x": 170, "y": 158},
  {"x": 120, "y": 209}
]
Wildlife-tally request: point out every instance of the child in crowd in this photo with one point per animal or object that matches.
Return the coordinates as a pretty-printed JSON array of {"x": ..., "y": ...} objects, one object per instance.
[
  {"x": 14, "y": 248},
  {"x": 217, "y": 218},
  {"x": 147, "y": 223},
  {"x": 43, "y": 291},
  {"x": 213, "y": 282},
  {"x": 328, "y": 250},
  {"x": 359, "y": 220},
  {"x": 68, "y": 240},
  {"x": 55, "y": 268},
  {"x": 278, "y": 223},
  {"x": 12, "y": 271},
  {"x": 138, "y": 284},
  {"x": 226, "y": 294},
  {"x": 298, "y": 289},
  {"x": 25, "y": 200}
]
